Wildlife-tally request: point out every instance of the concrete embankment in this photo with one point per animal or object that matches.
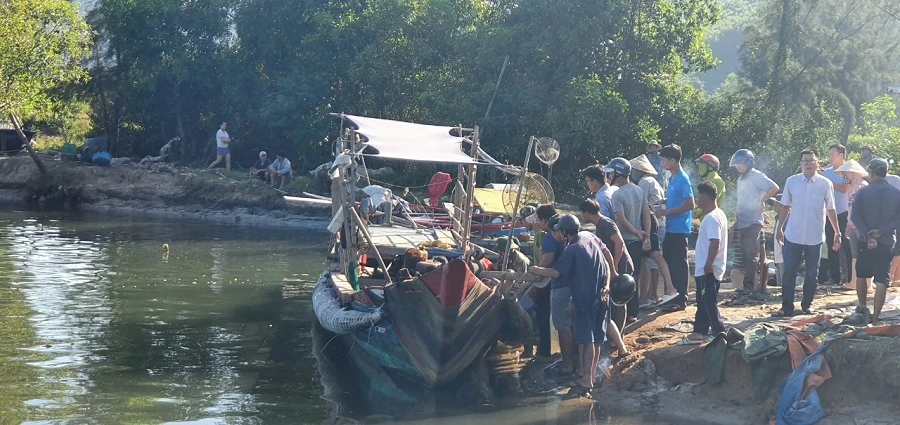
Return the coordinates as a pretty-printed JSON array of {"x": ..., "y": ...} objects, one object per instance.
[{"x": 156, "y": 189}]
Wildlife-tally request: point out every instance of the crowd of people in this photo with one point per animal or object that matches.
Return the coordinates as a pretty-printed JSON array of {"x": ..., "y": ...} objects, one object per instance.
[{"x": 838, "y": 224}]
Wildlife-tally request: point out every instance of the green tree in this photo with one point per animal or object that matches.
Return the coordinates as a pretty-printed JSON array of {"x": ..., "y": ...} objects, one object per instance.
[{"x": 42, "y": 46}]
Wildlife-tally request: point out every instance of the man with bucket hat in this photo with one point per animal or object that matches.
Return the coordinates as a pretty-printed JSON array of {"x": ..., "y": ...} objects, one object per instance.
[{"x": 876, "y": 216}]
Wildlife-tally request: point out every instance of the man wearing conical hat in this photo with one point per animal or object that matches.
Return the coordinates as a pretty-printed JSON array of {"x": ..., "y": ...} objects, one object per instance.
[{"x": 857, "y": 175}]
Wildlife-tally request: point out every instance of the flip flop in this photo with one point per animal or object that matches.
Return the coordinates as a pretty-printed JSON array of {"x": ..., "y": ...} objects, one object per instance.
[
  {"x": 688, "y": 341},
  {"x": 781, "y": 313},
  {"x": 666, "y": 298}
]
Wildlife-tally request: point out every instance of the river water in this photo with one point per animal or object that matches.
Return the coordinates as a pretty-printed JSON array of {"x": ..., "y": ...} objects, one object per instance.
[{"x": 100, "y": 324}]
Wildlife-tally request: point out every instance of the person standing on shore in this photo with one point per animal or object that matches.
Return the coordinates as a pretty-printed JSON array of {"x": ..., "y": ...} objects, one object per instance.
[
  {"x": 754, "y": 189},
  {"x": 807, "y": 199},
  {"x": 894, "y": 181},
  {"x": 876, "y": 215},
  {"x": 679, "y": 215},
  {"x": 865, "y": 155},
  {"x": 654, "y": 266},
  {"x": 857, "y": 176},
  {"x": 585, "y": 266},
  {"x": 709, "y": 269},
  {"x": 656, "y": 162},
  {"x": 549, "y": 250},
  {"x": 633, "y": 218},
  {"x": 223, "y": 141},
  {"x": 596, "y": 182},
  {"x": 838, "y": 262},
  {"x": 708, "y": 167}
]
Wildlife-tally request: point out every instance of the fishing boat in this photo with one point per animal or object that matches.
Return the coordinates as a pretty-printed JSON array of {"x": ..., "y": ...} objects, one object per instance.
[{"x": 412, "y": 309}]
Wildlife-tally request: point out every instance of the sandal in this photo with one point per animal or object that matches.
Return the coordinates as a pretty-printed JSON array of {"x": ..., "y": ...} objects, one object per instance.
[
  {"x": 688, "y": 341},
  {"x": 809, "y": 311},
  {"x": 579, "y": 391},
  {"x": 781, "y": 313}
]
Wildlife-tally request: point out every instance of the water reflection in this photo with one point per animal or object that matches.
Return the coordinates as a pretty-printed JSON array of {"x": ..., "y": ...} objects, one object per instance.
[{"x": 99, "y": 326}]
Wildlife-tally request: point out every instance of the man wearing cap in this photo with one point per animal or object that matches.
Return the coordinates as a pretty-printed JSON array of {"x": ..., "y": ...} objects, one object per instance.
[
  {"x": 260, "y": 167},
  {"x": 876, "y": 216},
  {"x": 656, "y": 161},
  {"x": 679, "y": 216},
  {"x": 632, "y": 215},
  {"x": 836, "y": 259},
  {"x": 807, "y": 200},
  {"x": 584, "y": 265},
  {"x": 754, "y": 189},
  {"x": 547, "y": 250},
  {"x": 595, "y": 179}
]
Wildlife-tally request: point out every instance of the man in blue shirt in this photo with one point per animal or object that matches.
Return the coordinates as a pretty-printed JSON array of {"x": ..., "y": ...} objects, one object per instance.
[
  {"x": 595, "y": 179},
  {"x": 876, "y": 215},
  {"x": 550, "y": 250},
  {"x": 679, "y": 214},
  {"x": 584, "y": 265}
]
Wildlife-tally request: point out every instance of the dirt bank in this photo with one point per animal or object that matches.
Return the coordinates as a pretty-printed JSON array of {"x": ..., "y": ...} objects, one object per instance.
[
  {"x": 157, "y": 189},
  {"x": 668, "y": 381}
]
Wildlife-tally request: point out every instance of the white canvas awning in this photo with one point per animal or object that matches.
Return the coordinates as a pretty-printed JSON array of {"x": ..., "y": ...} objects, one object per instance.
[{"x": 409, "y": 141}]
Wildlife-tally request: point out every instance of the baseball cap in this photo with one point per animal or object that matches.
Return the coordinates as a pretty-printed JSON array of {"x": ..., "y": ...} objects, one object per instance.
[{"x": 262, "y": 154}]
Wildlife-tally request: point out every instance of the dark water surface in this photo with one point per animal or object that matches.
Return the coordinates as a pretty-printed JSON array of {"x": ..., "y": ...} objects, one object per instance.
[{"x": 98, "y": 325}]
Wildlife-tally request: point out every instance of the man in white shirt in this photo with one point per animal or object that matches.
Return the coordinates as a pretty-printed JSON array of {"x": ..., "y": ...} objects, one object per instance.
[
  {"x": 222, "y": 150},
  {"x": 808, "y": 198},
  {"x": 711, "y": 254},
  {"x": 280, "y": 171},
  {"x": 754, "y": 189},
  {"x": 838, "y": 262}
]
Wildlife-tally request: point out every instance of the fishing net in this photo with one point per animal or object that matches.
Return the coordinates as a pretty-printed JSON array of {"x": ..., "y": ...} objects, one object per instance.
[{"x": 335, "y": 317}]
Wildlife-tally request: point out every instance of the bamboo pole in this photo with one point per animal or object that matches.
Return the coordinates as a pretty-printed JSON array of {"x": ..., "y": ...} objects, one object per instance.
[
  {"x": 470, "y": 196},
  {"x": 368, "y": 237},
  {"x": 512, "y": 228}
]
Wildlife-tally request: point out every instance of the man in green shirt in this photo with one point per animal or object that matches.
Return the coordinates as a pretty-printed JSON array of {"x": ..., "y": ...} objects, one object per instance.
[{"x": 708, "y": 167}]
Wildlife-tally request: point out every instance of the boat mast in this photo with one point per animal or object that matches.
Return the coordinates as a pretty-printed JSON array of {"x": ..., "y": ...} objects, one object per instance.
[{"x": 470, "y": 196}]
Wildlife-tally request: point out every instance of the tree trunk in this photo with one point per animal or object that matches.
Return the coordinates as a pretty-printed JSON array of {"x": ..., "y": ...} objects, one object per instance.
[{"x": 16, "y": 123}]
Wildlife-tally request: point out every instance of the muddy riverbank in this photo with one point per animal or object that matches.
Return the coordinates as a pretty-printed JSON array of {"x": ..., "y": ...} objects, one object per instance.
[{"x": 159, "y": 190}]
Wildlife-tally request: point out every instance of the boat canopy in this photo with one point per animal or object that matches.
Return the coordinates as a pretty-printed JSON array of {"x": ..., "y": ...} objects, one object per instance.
[{"x": 409, "y": 141}]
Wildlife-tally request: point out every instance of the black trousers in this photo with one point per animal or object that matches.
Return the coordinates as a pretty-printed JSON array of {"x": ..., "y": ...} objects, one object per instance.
[
  {"x": 542, "y": 319},
  {"x": 840, "y": 260},
  {"x": 708, "y": 316},
  {"x": 675, "y": 251},
  {"x": 636, "y": 252}
]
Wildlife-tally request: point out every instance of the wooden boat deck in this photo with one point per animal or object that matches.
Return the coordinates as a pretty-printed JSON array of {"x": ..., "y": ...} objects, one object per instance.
[{"x": 394, "y": 240}]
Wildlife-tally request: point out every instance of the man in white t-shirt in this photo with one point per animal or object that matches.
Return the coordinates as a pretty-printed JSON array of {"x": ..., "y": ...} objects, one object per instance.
[
  {"x": 222, "y": 151},
  {"x": 710, "y": 256},
  {"x": 808, "y": 199},
  {"x": 280, "y": 173}
]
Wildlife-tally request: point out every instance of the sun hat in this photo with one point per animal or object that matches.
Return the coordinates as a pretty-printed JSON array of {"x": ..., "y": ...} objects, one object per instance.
[
  {"x": 262, "y": 154},
  {"x": 851, "y": 166},
  {"x": 641, "y": 163},
  {"x": 654, "y": 142}
]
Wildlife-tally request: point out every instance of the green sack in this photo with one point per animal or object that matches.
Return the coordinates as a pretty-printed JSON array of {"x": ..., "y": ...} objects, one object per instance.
[{"x": 762, "y": 341}]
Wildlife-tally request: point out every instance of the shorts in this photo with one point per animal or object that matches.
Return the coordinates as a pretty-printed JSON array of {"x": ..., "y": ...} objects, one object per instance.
[
  {"x": 654, "y": 237},
  {"x": 559, "y": 307},
  {"x": 220, "y": 151},
  {"x": 589, "y": 323},
  {"x": 874, "y": 263}
]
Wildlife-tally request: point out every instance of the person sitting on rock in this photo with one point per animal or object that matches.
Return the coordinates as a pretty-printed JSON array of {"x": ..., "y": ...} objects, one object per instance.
[
  {"x": 280, "y": 171},
  {"x": 260, "y": 168}
]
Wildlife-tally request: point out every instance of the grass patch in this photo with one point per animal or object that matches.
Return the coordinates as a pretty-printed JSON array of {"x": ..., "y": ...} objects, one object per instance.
[{"x": 48, "y": 143}]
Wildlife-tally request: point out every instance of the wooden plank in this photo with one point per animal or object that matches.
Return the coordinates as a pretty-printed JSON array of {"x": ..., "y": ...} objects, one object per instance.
[{"x": 295, "y": 200}]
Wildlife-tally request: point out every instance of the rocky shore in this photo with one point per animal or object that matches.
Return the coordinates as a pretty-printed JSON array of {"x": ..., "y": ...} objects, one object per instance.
[{"x": 156, "y": 189}]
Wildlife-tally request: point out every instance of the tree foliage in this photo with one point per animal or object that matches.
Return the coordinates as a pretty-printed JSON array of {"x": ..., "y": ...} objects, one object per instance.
[{"x": 42, "y": 46}]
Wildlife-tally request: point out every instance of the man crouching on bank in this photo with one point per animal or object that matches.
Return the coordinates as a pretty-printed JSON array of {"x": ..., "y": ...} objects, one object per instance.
[{"x": 584, "y": 265}]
